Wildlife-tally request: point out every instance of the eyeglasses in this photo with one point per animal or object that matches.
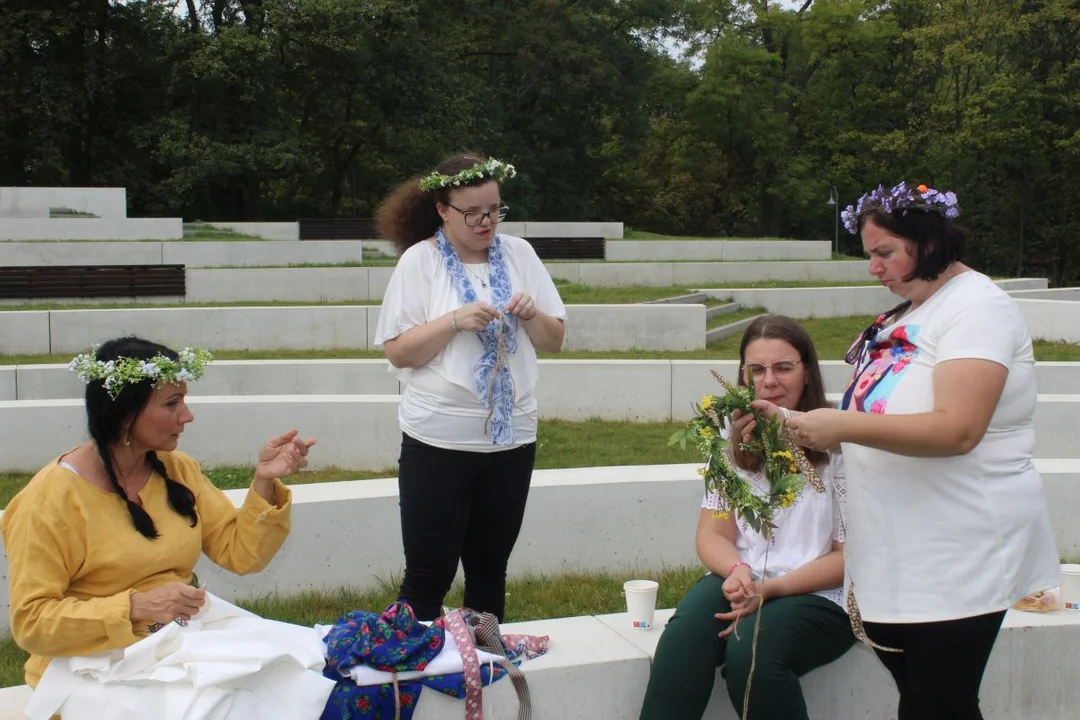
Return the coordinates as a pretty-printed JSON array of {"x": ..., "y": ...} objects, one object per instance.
[
  {"x": 857, "y": 352},
  {"x": 473, "y": 218},
  {"x": 781, "y": 368}
]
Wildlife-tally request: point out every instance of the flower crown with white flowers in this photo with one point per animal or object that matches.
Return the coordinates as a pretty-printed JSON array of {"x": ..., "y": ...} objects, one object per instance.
[
  {"x": 189, "y": 365},
  {"x": 901, "y": 197},
  {"x": 490, "y": 169}
]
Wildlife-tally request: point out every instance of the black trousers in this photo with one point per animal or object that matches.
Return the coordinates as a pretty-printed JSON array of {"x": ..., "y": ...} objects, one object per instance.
[
  {"x": 458, "y": 505},
  {"x": 940, "y": 671}
]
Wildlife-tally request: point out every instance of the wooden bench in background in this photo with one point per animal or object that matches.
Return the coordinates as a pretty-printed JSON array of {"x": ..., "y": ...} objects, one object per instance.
[{"x": 85, "y": 281}]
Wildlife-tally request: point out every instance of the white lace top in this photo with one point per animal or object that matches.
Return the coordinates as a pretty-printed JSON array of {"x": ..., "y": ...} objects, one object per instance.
[{"x": 804, "y": 532}]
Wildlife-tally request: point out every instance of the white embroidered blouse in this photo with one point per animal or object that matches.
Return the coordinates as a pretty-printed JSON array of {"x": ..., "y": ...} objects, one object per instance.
[{"x": 804, "y": 532}]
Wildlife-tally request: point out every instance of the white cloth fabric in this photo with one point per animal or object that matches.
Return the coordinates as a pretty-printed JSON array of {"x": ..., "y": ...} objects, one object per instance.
[
  {"x": 932, "y": 539},
  {"x": 804, "y": 532},
  {"x": 226, "y": 664},
  {"x": 439, "y": 405},
  {"x": 446, "y": 662}
]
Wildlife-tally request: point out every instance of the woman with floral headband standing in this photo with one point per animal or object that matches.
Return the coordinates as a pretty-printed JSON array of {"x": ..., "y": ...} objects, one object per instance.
[
  {"x": 102, "y": 542},
  {"x": 462, "y": 317},
  {"x": 947, "y": 524}
]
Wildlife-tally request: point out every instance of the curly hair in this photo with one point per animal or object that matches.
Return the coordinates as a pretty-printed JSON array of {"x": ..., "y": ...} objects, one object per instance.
[{"x": 409, "y": 215}]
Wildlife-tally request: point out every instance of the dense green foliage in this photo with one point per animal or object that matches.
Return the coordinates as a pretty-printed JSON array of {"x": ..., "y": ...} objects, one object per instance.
[{"x": 278, "y": 109}]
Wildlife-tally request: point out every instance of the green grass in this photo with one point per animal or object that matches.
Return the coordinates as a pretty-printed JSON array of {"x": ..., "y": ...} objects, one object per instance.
[
  {"x": 199, "y": 231},
  {"x": 534, "y": 597},
  {"x": 832, "y": 336},
  {"x": 728, "y": 318},
  {"x": 560, "y": 444}
]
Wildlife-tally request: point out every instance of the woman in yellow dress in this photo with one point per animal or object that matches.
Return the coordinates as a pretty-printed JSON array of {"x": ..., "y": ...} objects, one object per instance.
[{"x": 102, "y": 542}]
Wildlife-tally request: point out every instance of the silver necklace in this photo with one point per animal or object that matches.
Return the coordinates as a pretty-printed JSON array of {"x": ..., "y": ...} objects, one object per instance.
[{"x": 481, "y": 278}]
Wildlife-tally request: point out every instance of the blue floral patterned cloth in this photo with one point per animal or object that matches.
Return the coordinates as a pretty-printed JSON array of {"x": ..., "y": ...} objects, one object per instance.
[{"x": 392, "y": 642}]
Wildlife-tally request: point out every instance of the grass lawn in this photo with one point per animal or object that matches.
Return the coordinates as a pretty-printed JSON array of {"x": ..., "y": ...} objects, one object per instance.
[
  {"x": 536, "y": 597},
  {"x": 728, "y": 318},
  {"x": 560, "y": 444}
]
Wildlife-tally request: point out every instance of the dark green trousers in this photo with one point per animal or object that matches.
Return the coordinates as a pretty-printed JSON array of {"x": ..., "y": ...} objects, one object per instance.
[{"x": 798, "y": 633}]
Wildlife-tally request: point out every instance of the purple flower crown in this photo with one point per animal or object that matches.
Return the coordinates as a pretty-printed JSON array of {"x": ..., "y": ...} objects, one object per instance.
[{"x": 901, "y": 197}]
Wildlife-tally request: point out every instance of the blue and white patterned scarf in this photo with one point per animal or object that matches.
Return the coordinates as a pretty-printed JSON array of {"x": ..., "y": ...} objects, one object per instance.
[{"x": 501, "y": 399}]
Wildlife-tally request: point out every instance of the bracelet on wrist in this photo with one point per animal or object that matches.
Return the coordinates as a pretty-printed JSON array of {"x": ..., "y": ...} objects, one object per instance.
[
  {"x": 786, "y": 413},
  {"x": 737, "y": 565},
  {"x": 453, "y": 322}
]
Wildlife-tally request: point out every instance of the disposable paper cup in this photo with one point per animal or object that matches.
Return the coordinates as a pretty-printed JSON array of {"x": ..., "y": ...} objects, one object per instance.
[
  {"x": 1070, "y": 587},
  {"x": 641, "y": 602}
]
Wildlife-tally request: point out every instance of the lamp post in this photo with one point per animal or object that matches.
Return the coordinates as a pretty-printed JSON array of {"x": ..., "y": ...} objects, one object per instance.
[{"x": 834, "y": 202}]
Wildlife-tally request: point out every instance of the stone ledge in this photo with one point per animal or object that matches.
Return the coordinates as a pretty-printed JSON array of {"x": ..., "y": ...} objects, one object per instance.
[{"x": 598, "y": 668}]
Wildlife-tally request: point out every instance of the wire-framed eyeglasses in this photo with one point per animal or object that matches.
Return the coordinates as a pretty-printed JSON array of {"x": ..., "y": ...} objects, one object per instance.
[
  {"x": 473, "y": 218},
  {"x": 780, "y": 368}
]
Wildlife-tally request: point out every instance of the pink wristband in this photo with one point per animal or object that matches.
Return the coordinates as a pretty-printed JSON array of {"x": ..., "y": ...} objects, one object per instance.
[{"x": 738, "y": 565}]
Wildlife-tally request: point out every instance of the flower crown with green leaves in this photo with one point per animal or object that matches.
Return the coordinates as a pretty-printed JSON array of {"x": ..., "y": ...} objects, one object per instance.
[
  {"x": 901, "y": 197},
  {"x": 190, "y": 365},
  {"x": 490, "y": 169}
]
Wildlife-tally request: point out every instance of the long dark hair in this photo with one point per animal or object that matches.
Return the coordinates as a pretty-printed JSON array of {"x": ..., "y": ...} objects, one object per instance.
[
  {"x": 781, "y": 327},
  {"x": 106, "y": 418},
  {"x": 408, "y": 215}
]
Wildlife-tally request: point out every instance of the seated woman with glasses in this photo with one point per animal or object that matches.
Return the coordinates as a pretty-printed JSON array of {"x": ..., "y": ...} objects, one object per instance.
[
  {"x": 462, "y": 318},
  {"x": 804, "y": 625}
]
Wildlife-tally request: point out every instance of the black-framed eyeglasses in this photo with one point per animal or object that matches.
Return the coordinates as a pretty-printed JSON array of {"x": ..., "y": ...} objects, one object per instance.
[
  {"x": 473, "y": 218},
  {"x": 780, "y": 368},
  {"x": 862, "y": 344}
]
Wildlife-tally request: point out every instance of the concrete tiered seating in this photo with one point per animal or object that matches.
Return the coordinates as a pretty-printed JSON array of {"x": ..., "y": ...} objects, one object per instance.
[{"x": 597, "y": 668}]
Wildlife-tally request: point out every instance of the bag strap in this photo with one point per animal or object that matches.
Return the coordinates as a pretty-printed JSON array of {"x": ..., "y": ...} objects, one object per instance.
[
  {"x": 488, "y": 638},
  {"x": 474, "y": 688}
]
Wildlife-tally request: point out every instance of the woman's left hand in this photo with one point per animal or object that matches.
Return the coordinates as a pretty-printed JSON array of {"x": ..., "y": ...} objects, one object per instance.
[
  {"x": 522, "y": 306},
  {"x": 739, "y": 610},
  {"x": 281, "y": 456},
  {"x": 820, "y": 429}
]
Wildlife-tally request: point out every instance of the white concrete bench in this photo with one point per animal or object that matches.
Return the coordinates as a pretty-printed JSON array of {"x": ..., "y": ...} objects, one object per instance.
[
  {"x": 360, "y": 432},
  {"x": 643, "y": 516},
  {"x": 716, "y": 250},
  {"x": 322, "y": 327},
  {"x": 823, "y": 302},
  {"x": 598, "y": 668},
  {"x": 640, "y": 390},
  {"x": 191, "y": 254}
]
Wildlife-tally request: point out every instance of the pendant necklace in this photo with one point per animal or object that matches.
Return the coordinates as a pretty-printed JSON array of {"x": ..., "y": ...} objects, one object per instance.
[{"x": 483, "y": 280}]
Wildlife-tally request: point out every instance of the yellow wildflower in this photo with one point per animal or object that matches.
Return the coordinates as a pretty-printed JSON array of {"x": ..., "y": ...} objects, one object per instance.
[
  {"x": 787, "y": 498},
  {"x": 721, "y": 515},
  {"x": 706, "y": 402},
  {"x": 708, "y": 433},
  {"x": 701, "y": 471},
  {"x": 786, "y": 455}
]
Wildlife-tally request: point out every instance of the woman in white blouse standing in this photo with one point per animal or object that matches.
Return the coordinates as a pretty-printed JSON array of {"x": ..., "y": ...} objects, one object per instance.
[
  {"x": 462, "y": 317},
  {"x": 804, "y": 625}
]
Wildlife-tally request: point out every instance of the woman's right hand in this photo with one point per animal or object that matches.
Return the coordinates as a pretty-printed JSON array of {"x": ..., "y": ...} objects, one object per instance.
[
  {"x": 476, "y": 316},
  {"x": 167, "y": 603},
  {"x": 741, "y": 428},
  {"x": 739, "y": 585}
]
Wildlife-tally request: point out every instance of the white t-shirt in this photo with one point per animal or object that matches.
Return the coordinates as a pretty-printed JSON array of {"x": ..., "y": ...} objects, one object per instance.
[
  {"x": 804, "y": 532},
  {"x": 439, "y": 405},
  {"x": 932, "y": 539}
]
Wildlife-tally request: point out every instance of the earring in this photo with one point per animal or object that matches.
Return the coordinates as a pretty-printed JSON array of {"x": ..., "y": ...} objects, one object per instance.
[{"x": 127, "y": 439}]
